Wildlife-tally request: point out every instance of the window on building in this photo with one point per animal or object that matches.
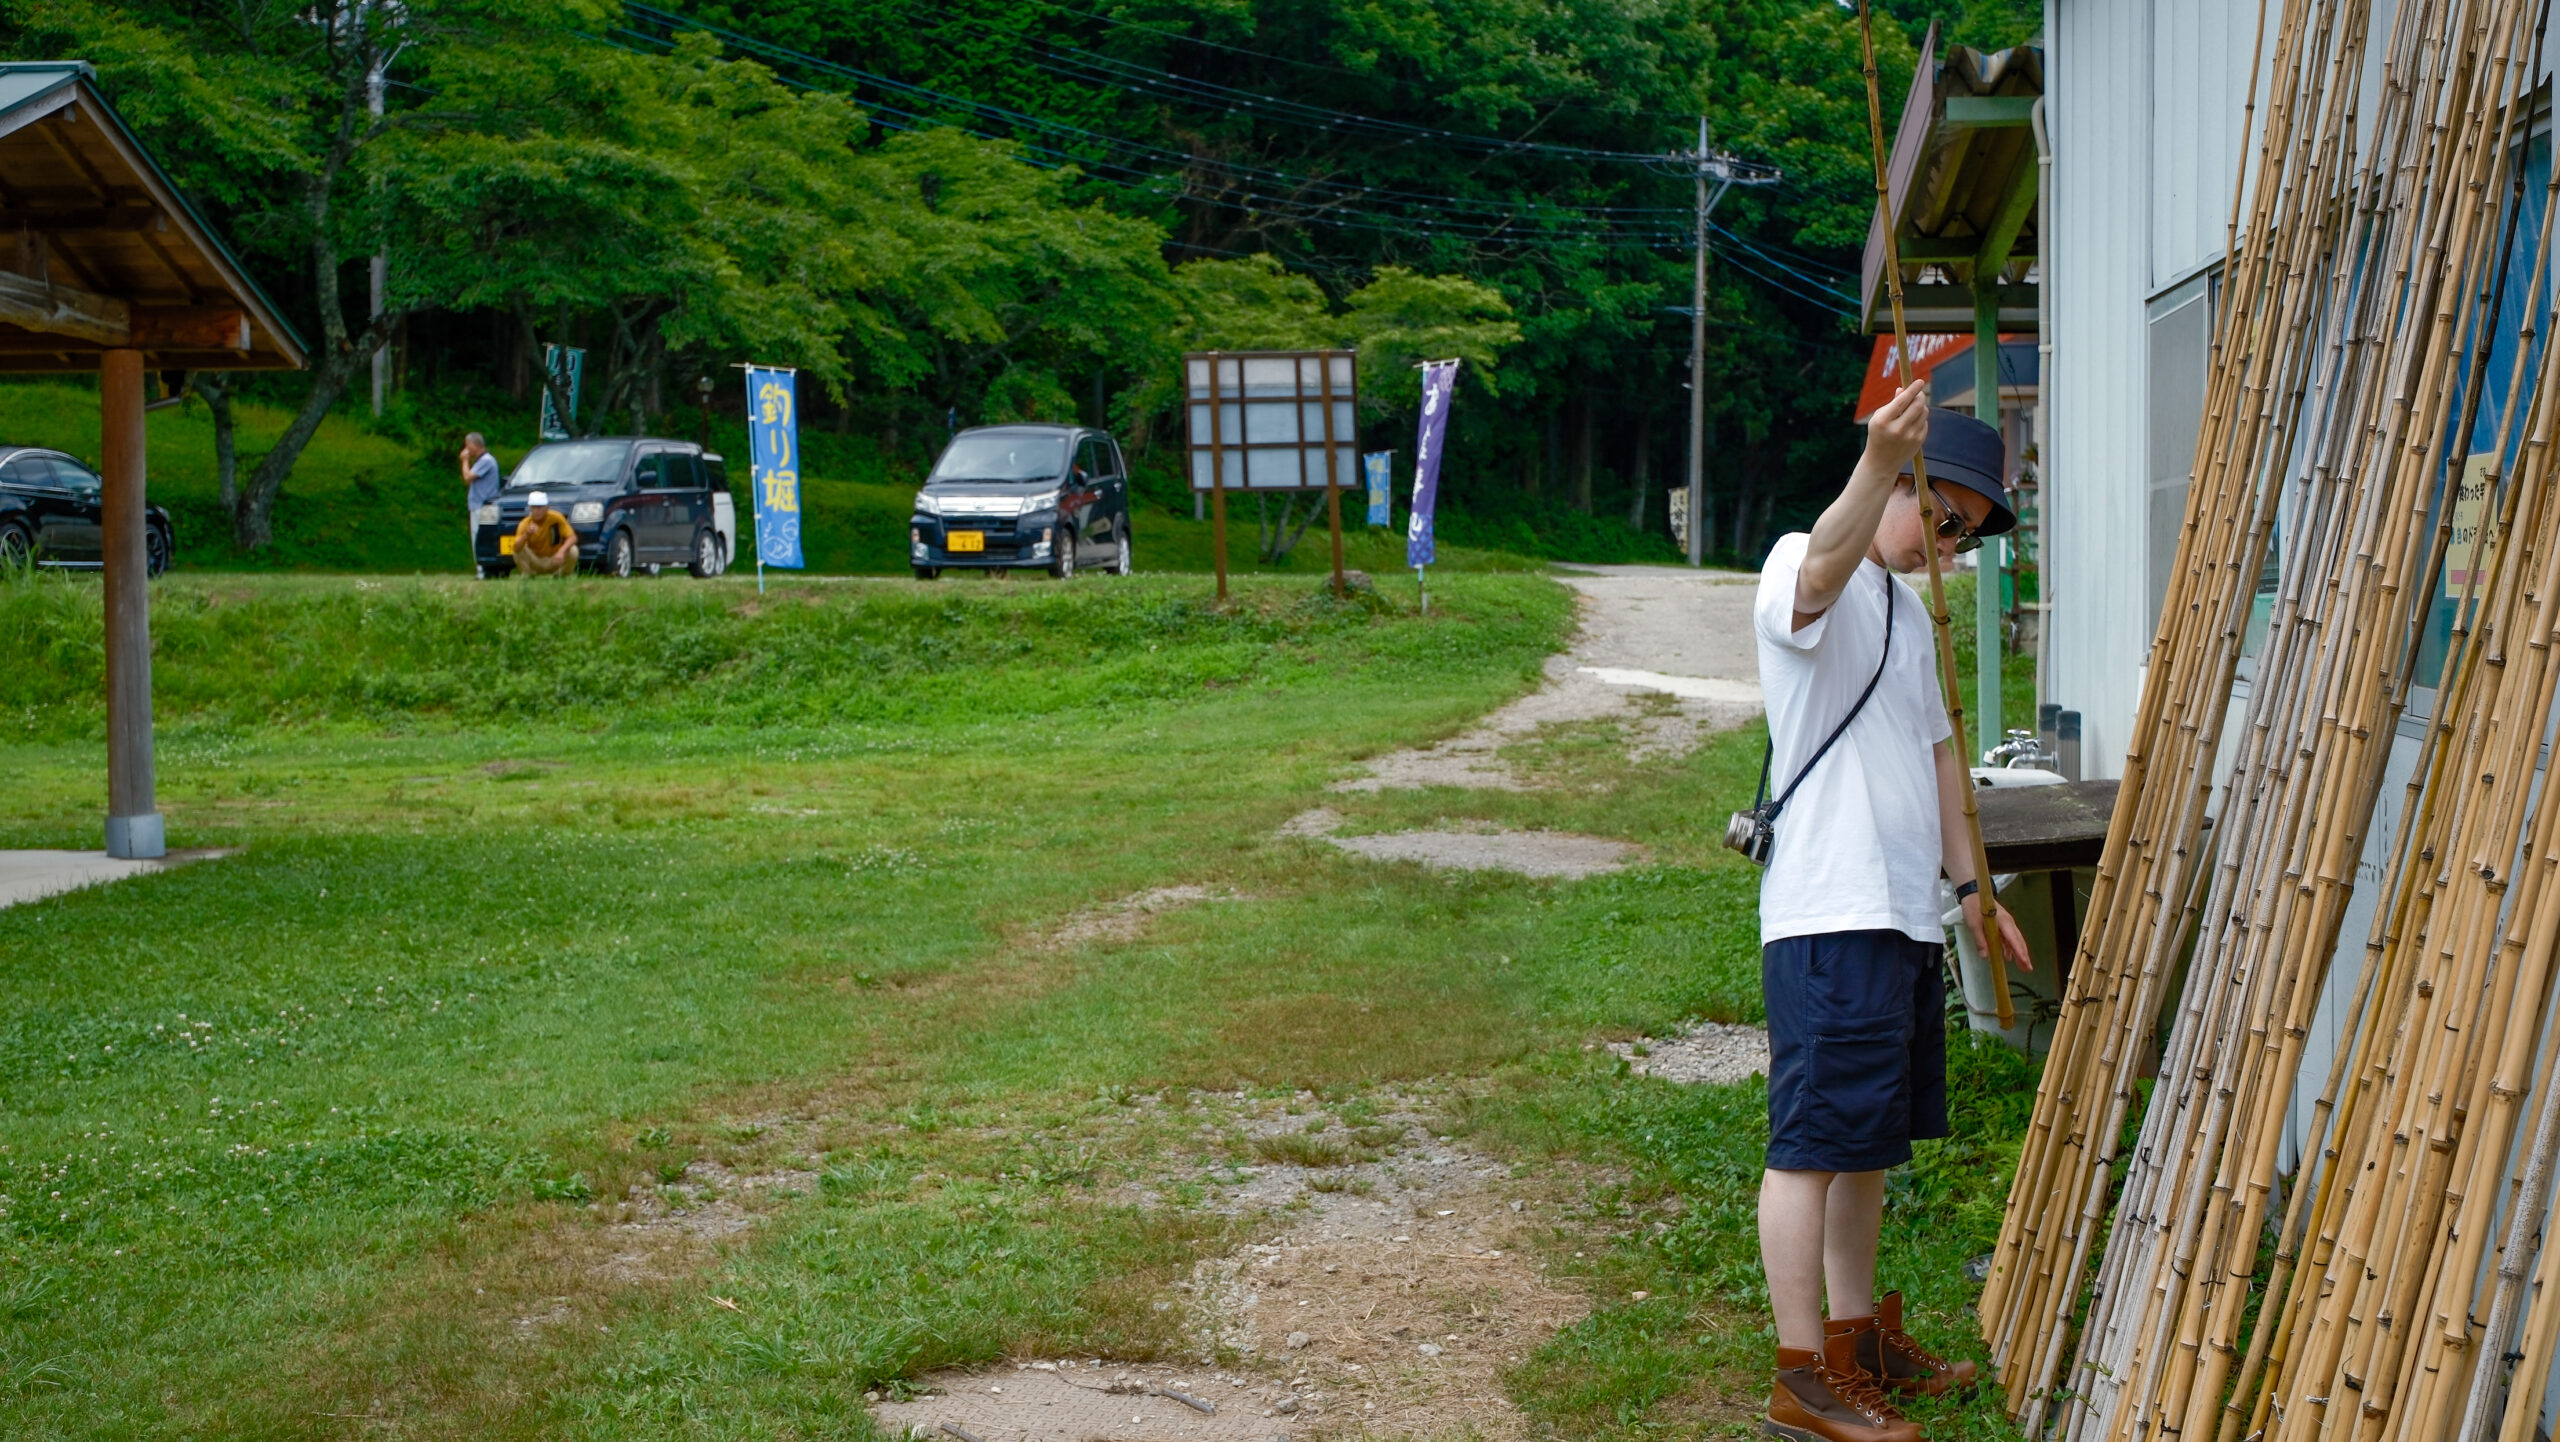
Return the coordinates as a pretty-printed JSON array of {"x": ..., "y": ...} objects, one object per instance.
[
  {"x": 2180, "y": 340},
  {"x": 2471, "y": 457}
]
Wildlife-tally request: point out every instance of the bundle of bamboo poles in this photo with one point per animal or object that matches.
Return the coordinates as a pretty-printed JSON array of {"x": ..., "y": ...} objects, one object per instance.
[{"x": 2368, "y": 263}]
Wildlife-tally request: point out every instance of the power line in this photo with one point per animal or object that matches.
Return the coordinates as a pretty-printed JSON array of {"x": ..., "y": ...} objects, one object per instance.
[
  {"x": 1340, "y": 189},
  {"x": 1317, "y": 65},
  {"x": 1475, "y": 221},
  {"x": 1486, "y": 220}
]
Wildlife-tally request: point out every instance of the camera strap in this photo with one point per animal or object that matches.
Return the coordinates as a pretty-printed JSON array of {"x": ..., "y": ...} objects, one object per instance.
[{"x": 1769, "y": 809}]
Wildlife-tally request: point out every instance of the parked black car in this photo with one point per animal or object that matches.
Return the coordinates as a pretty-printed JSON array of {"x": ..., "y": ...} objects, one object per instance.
[
  {"x": 52, "y": 513},
  {"x": 1055, "y": 497},
  {"x": 636, "y": 502}
]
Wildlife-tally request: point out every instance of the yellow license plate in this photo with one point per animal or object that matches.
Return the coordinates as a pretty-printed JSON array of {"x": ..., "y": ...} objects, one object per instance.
[
  {"x": 506, "y": 545},
  {"x": 965, "y": 541}
]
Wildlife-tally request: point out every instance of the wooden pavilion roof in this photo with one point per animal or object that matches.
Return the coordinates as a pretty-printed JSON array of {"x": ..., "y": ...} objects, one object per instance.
[{"x": 99, "y": 251}]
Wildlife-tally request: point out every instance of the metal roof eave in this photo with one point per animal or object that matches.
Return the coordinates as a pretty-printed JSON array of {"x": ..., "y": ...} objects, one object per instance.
[{"x": 1962, "y": 182}]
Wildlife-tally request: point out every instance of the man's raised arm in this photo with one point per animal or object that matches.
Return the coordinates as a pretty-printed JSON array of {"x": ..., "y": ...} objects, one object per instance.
[{"x": 1846, "y": 530}]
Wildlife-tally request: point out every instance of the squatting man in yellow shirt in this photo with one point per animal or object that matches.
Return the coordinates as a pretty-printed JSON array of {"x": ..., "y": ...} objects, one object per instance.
[
  {"x": 1850, "y": 935},
  {"x": 545, "y": 546}
]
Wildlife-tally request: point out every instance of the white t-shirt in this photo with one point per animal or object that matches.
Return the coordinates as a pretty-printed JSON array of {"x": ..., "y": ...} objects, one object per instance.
[{"x": 1858, "y": 845}]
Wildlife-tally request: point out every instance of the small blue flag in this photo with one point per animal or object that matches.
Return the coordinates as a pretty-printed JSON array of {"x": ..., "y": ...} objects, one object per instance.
[
  {"x": 1439, "y": 379},
  {"x": 773, "y": 450},
  {"x": 1379, "y": 466}
]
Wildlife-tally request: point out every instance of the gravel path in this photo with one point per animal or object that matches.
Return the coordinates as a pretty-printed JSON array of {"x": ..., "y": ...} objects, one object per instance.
[
  {"x": 1645, "y": 629},
  {"x": 1531, "y": 853},
  {"x": 1709, "y": 1053}
]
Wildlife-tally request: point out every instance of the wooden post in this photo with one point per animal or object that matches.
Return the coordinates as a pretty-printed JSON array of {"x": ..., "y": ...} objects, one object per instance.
[
  {"x": 133, "y": 821},
  {"x": 1332, "y": 491},
  {"x": 1218, "y": 466},
  {"x": 1986, "y": 569}
]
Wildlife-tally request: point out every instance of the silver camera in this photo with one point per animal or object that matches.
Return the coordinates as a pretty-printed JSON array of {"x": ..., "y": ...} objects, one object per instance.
[{"x": 1752, "y": 833}]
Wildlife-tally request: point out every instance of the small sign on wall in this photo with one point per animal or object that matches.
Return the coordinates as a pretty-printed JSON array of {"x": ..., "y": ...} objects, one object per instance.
[{"x": 2470, "y": 515}]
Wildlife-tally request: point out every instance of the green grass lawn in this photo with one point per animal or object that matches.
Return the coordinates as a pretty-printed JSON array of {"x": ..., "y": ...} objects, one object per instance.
[{"x": 546, "y": 890}]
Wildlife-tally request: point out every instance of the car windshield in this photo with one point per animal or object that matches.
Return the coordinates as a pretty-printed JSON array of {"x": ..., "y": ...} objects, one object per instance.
[
  {"x": 1002, "y": 458},
  {"x": 573, "y": 463}
]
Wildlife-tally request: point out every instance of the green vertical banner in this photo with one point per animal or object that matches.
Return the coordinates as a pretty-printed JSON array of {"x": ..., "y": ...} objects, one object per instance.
[
  {"x": 567, "y": 366},
  {"x": 773, "y": 451}
]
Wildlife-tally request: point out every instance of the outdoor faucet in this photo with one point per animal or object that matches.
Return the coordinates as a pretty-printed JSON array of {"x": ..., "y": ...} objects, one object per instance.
[{"x": 2022, "y": 750}]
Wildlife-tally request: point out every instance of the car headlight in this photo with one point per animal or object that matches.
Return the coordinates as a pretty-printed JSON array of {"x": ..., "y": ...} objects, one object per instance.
[
  {"x": 586, "y": 513},
  {"x": 1041, "y": 502},
  {"x": 927, "y": 505},
  {"x": 488, "y": 514}
]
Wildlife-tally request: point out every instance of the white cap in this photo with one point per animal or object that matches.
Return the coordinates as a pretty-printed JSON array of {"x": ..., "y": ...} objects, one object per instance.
[{"x": 537, "y": 499}]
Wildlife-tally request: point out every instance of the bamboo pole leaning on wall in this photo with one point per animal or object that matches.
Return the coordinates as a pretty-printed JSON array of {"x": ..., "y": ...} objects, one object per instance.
[{"x": 2366, "y": 288}]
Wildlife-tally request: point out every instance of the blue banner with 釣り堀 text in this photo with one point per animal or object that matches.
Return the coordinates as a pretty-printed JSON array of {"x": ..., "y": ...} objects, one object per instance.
[
  {"x": 1439, "y": 380},
  {"x": 773, "y": 450},
  {"x": 1379, "y": 469}
]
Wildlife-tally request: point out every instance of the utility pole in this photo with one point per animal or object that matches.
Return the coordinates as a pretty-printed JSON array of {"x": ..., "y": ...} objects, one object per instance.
[
  {"x": 373, "y": 85},
  {"x": 1715, "y": 174}
]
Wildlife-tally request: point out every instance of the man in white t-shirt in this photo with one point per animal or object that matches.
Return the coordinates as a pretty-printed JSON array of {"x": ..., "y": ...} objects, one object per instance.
[{"x": 1850, "y": 937}]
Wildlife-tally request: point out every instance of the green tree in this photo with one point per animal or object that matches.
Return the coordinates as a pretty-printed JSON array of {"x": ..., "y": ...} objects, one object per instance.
[
  {"x": 990, "y": 286},
  {"x": 654, "y": 203},
  {"x": 277, "y": 114}
]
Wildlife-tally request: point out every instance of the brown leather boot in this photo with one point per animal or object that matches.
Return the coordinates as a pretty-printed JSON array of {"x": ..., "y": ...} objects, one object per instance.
[
  {"x": 1824, "y": 1397},
  {"x": 1906, "y": 1367}
]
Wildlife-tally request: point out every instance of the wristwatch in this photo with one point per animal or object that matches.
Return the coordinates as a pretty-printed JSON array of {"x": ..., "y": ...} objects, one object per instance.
[{"x": 1965, "y": 889}]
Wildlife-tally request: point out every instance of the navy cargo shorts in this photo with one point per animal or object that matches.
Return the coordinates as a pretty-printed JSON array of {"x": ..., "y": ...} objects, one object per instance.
[{"x": 1857, "y": 1049}]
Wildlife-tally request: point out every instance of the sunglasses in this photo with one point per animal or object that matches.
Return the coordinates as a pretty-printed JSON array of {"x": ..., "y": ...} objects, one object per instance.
[{"x": 1954, "y": 526}]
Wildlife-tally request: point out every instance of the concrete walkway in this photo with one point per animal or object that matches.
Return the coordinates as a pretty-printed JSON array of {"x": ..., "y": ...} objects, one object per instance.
[{"x": 34, "y": 875}]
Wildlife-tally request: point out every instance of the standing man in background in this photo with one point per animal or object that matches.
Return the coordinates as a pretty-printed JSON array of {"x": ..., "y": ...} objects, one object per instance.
[
  {"x": 1850, "y": 936},
  {"x": 479, "y": 480}
]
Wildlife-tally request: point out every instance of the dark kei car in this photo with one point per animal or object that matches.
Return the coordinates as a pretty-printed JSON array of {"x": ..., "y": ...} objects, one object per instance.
[
  {"x": 1054, "y": 497},
  {"x": 52, "y": 514},
  {"x": 637, "y": 503}
]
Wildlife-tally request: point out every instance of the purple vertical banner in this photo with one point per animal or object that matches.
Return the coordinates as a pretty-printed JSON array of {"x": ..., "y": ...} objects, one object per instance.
[{"x": 1439, "y": 381}]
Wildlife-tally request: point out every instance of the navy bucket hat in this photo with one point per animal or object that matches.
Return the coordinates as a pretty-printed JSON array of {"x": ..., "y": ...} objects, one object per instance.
[{"x": 1966, "y": 451}]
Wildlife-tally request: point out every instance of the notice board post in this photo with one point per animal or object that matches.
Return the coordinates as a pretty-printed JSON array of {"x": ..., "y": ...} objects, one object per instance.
[{"x": 1266, "y": 421}]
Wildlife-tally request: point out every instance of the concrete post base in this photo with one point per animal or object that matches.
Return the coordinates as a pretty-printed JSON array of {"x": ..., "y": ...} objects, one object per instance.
[{"x": 137, "y": 838}]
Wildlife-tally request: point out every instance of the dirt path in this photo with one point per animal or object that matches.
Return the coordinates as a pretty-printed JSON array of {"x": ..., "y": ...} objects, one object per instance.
[
  {"x": 1391, "y": 1283},
  {"x": 1646, "y": 631},
  {"x": 1394, "y": 1283}
]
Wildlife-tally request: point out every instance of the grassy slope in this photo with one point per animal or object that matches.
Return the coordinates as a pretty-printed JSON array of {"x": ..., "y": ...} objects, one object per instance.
[
  {"x": 387, "y": 498},
  {"x": 547, "y": 888}
]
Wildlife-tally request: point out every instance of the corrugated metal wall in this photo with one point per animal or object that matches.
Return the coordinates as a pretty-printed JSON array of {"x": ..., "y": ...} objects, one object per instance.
[
  {"x": 2098, "y": 114},
  {"x": 2147, "y": 103},
  {"x": 2200, "y": 53}
]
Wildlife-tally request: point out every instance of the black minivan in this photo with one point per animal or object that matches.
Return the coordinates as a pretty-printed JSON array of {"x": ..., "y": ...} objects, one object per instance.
[
  {"x": 1047, "y": 496},
  {"x": 53, "y": 513},
  {"x": 636, "y": 502}
]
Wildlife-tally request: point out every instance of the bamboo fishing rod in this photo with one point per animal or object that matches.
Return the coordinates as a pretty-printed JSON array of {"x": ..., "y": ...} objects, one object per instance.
[
  {"x": 2248, "y": 1155},
  {"x": 2177, "y": 723},
  {"x": 2065, "y": 1173},
  {"x": 2377, "y": 997},
  {"x": 1994, "y": 954},
  {"x": 2407, "y": 1081}
]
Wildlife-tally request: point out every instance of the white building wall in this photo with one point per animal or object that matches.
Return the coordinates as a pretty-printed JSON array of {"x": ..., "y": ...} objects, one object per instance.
[
  {"x": 2097, "y": 112},
  {"x": 2147, "y": 104},
  {"x": 2199, "y": 53}
]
